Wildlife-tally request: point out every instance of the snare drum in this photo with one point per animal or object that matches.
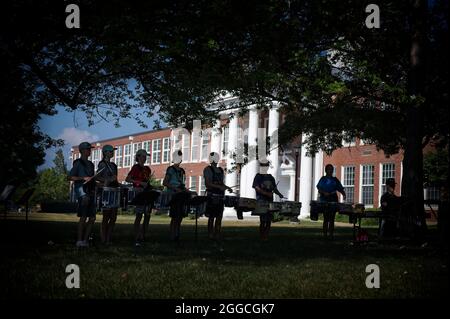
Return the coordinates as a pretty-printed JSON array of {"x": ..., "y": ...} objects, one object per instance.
[
  {"x": 262, "y": 208},
  {"x": 359, "y": 208},
  {"x": 110, "y": 197},
  {"x": 132, "y": 192},
  {"x": 215, "y": 199},
  {"x": 345, "y": 208},
  {"x": 274, "y": 206},
  {"x": 248, "y": 203},
  {"x": 163, "y": 201},
  {"x": 231, "y": 201}
]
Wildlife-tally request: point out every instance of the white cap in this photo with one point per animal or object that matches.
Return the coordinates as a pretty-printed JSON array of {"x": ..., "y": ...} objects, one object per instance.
[
  {"x": 214, "y": 157},
  {"x": 177, "y": 157}
]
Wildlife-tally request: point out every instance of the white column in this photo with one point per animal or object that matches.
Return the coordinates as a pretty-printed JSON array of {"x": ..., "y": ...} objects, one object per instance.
[
  {"x": 305, "y": 181},
  {"x": 252, "y": 165},
  {"x": 244, "y": 185},
  {"x": 216, "y": 135},
  {"x": 231, "y": 179},
  {"x": 274, "y": 123},
  {"x": 318, "y": 172}
]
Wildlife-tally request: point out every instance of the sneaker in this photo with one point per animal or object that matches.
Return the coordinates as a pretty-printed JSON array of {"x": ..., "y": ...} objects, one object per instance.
[
  {"x": 137, "y": 244},
  {"x": 79, "y": 243},
  {"x": 84, "y": 243}
]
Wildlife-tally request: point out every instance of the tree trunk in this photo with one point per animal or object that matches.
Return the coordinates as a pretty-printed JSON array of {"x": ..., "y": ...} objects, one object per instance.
[{"x": 412, "y": 182}]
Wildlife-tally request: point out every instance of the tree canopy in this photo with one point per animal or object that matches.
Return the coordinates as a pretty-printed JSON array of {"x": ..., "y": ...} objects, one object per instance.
[{"x": 336, "y": 78}]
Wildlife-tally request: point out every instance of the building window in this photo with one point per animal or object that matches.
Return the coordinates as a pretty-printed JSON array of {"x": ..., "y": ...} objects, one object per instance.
[
  {"x": 225, "y": 136},
  {"x": 156, "y": 153},
  {"x": 193, "y": 183},
  {"x": 348, "y": 182},
  {"x": 96, "y": 157},
  {"x": 136, "y": 147},
  {"x": 349, "y": 142},
  {"x": 387, "y": 171},
  {"x": 166, "y": 150},
  {"x": 205, "y": 143},
  {"x": 118, "y": 156},
  {"x": 146, "y": 147},
  {"x": 367, "y": 184},
  {"x": 186, "y": 147},
  {"x": 127, "y": 155},
  {"x": 195, "y": 145},
  {"x": 202, "y": 189},
  {"x": 432, "y": 193}
]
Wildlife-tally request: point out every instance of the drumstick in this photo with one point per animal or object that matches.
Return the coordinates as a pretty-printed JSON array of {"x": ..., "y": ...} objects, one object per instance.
[{"x": 94, "y": 176}]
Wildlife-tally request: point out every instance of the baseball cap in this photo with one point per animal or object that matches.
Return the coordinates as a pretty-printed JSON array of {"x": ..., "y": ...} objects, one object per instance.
[
  {"x": 142, "y": 153},
  {"x": 108, "y": 148},
  {"x": 390, "y": 182},
  {"x": 85, "y": 146}
]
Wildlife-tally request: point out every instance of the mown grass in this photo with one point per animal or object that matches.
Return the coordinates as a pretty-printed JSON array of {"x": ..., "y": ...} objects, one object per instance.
[{"x": 296, "y": 262}]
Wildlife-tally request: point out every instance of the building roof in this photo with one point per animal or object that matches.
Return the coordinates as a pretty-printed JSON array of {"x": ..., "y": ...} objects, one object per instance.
[{"x": 123, "y": 136}]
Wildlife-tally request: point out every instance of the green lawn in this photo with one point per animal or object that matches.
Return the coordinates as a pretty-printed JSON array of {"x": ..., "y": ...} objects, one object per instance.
[{"x": 295, "y": 263}]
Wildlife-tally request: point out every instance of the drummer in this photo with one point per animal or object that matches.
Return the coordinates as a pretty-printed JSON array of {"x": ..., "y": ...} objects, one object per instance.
[
  {"x": 265, "y": 186},
  {"x": 174, "y": 181},
  {"x": 107, "y": 176},
  {"x": 139, "y": 175},
  {"x": 81, "y": 175},
  {"x": 215, "y": 190},
  {"x": 327, "y": 186}
]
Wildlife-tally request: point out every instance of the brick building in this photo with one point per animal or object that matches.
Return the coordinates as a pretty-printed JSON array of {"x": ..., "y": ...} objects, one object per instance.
[{"x": 361, "y": 168}]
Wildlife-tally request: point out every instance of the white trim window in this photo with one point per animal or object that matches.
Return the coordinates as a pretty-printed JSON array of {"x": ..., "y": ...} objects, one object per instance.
[
  {"x": 349, "y": 143},
  {"x": 348, "y": 182},
  {"x": 202, "y": 188},
  {"x": 127, "y": 155},
  {"x": 156, "y": 151},
  {"x": 193, "y": 183},
  {"x": 166, "y": 150},
  {"x": 186, "y": 148},
  {"x": 387, "y": 171},
  {"x": 431, "y": 193},
  {"x": 118, "y": 156},
  {"x": 225, "y": 137},
  {"x": 205, "y": 146},
  {"x": 96, "y": 157},
  {"x": 367, "y": 184},
  {"x": 136, "y": 147},
  {"x": 195, "y": 148},
  {"x": 146, "y": 147}
]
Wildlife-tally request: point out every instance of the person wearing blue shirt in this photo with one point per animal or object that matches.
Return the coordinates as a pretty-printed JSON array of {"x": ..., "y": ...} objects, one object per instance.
[
  {"x": 174, "y": 181},
  {"x": 328, "y": 186}
]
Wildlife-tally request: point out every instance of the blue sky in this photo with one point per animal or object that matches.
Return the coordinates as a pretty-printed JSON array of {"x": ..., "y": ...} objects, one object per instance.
[{"x": 73, "y": 128}]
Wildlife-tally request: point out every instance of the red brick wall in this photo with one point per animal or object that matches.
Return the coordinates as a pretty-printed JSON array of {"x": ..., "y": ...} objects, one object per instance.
[{"x": 362, "y": 155}]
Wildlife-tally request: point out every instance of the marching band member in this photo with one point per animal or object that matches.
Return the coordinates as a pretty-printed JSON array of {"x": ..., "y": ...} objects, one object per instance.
[
  {"x": 82, "y": 174},
  {"x": 107, "y": 176},
  {"x": 174, "y": 181},
  {"x": 215, "y": 190},
  {"x": 265, "y": 186},
  {"x": 327, "y": 186},
  {"x": 139, "y": 175},
  {"x": 391, "y": 206}
]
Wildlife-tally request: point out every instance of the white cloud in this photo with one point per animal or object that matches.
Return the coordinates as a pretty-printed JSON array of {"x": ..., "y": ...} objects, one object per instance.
[{"x": 73, "y": 136}]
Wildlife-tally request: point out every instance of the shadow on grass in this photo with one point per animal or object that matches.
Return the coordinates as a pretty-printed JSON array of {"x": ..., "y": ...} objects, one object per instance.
[{"x": 240, "y": 245}]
